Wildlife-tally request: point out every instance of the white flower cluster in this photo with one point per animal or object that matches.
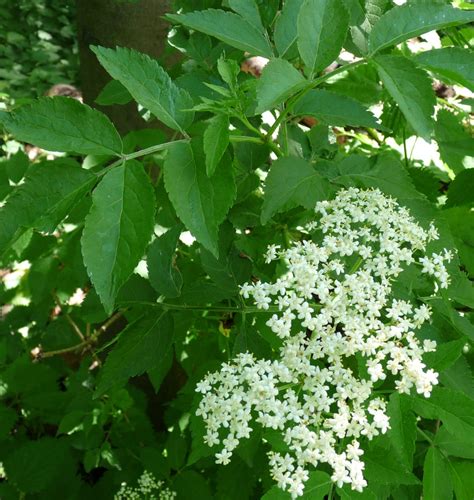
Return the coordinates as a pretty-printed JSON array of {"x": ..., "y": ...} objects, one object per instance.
[
  {"x": 147, "y": 488},
  {"x": 342, "y": 332}
]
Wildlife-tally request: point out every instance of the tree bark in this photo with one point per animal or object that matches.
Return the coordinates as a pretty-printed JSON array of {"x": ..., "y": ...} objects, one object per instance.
[{"x": 134, "y": 24}]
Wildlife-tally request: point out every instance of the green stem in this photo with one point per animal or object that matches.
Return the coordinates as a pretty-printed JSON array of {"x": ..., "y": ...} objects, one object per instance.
[
  {"x": 423, "y": 433},
  {"x": 311, "y": 85},
  {"x": 183, "y": 307},
  {"x": 140, "y": 153},
  {"x": 265, "y": 138},
  {"x": 246, "y": 138}
]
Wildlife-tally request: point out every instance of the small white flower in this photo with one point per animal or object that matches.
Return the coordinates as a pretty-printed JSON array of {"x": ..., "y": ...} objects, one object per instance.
[{"x": 334, "y": 302}]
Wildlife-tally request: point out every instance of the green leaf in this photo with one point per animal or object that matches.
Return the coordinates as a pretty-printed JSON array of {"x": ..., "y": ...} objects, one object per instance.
[
  {"x": 292, "y": 182},
  {"x": 200, "y": 202},
  {"x": 164, "y": 275},
  {"x": 216, "y": 140},
  {"x": 454, "y": 142},
  {"x": 113, "y": 93},
  {"x": 118, "y": 228},
  {"x": 461, "y": 190},
  {"x": 279, "y": 81},
  {"x": 453, "y": 408},
  {"x": 16, "y": 166},
  {"x": 411, "y": 89},
  {"x": 142, "y": 346},
  {"x": 49, "y": 191},
  {"x": 322, "y": 29},
  {"x": 445, "y": 355},
  {"x": 230, "y": 270},
  {"x": 227, "y": 27},
  {"x": 149, "y": 84},
  {"x": 228, "y": 70},
  {"x": 190, "y": 484},
  {"x": 411, "y": 20},
  {"x": 363, "y": 22},
  {"x": 459, "y": 377},
  {"x": 249, "y": 11},
  {"x": 454, "y": 63},
  {"x": 317, "y": 486},
  {"x": 158, "y": 373},
  {"x": 335, "y": 109},
  {"x": 285, "y": 33},
  {"x": 36, "y": 465},
  {"x": 8, "y": 417},
  {"x": 436, "y": 479},
  {"x": 235, "y": 481},
  {"x": 454, "y": 446},
  {"x": 462, "y": 474},
  {"x": 460, "y": 323},
  {"x": 63, "y": 124},
  {"x": 461, "y": 223},
  {"x": 383, "y": 467},
  {"x": 385, "y": 173},
  {"x": 402, "y": 433}
]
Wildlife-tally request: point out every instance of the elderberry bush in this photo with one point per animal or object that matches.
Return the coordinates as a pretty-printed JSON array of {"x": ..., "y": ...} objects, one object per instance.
[{"x": 267, "y": 293}]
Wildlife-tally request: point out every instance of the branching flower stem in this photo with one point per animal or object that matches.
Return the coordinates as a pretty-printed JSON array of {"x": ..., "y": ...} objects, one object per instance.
[{"x": 86, "y": 343}]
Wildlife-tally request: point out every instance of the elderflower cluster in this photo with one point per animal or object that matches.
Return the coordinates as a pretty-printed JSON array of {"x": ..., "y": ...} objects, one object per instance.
[
  {"x": 342, "y": 332},
  {"x": 147, "y": 488}
]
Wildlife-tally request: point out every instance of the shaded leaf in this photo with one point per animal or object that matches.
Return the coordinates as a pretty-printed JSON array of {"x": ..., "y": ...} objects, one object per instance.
[
  {"x": 113, "y": 93},
  {"x": 48, "y": 192},
  {"x": 36, "y": 465},
  {"x": 164, "y": 275},
  {"x": 142, "y": 346},
  {"x": 461, "y": 190}
]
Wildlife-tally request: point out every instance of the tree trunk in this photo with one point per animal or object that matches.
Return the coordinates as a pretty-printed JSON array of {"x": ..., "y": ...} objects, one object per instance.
[{"x": 134, "y": 24}]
